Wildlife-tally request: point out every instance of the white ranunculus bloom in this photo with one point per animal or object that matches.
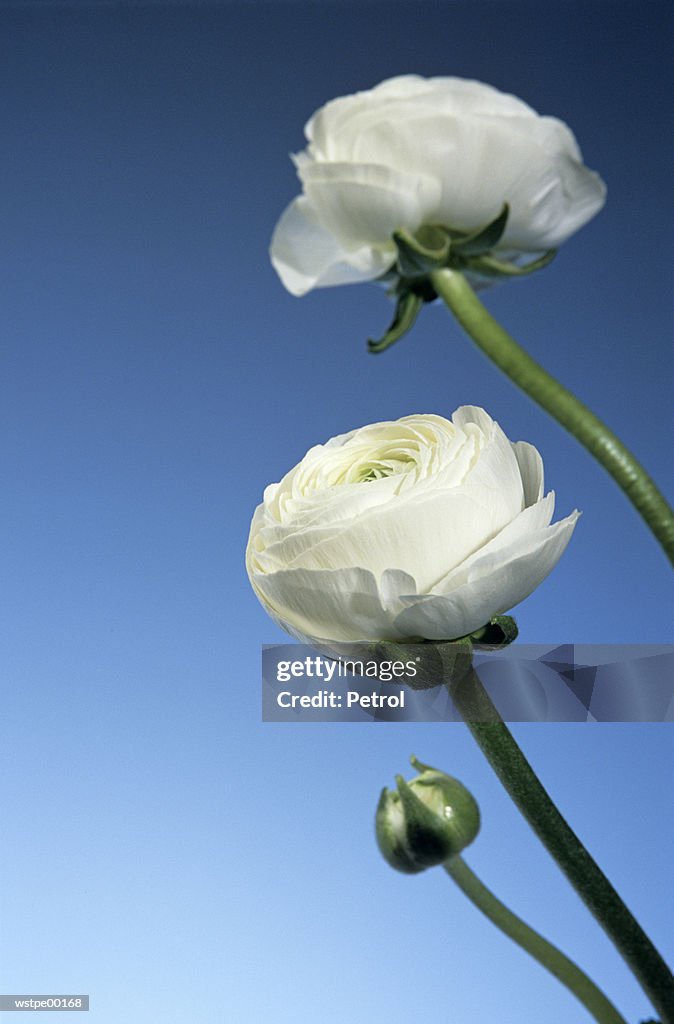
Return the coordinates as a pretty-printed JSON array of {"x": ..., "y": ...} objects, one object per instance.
[
  {"x": 415, "y": 151},
  {"x": 417, "y": 528}
]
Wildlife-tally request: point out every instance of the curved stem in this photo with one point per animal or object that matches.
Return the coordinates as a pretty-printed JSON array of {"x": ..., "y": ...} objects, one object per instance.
[
  {"x": 559, "y": 965},
  {"x": 590, "y": 882},
  {"x": 571, "y": 413}
]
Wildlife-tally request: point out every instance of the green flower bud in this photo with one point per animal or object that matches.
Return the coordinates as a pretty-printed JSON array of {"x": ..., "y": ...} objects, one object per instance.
[{"x": 426, "y": 822}]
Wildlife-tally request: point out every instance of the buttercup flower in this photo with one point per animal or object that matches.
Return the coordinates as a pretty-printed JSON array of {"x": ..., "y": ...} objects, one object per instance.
[
  {"x": 414, "y": 151},
  {"x": 416, "y": 528}
]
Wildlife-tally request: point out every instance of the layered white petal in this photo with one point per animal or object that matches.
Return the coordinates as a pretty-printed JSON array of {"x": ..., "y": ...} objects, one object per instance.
[
  {"x": 529, "y": 522},
  {"x": 363, "y": 201},
  {"x": 483, "y": 162},
  {"x": 496, "y": 583},
  {"x": 531, "y": 470},
  {"x": 306, "y": 255},
  {"x": 395, "y": 536},
  {"x": 341, "y": 604},
  {"x": 332, "y": 129},
  {"x": 496, "y": 476}
]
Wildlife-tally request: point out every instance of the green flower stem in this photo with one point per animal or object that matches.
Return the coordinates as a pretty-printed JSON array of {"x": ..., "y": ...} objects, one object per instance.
[
  {"x": 559, "y": 965},
  {"x": 575, "y": 417},
  {"x": 592, "y": 885}
]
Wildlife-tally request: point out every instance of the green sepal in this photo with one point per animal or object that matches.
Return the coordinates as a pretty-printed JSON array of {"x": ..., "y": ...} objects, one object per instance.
[
  {"x": 391, "y": 841},
  {"x": 427, "y": 835},
  {"x": 492, "y": 267},
  {"x": 463, "y": 824},
  {"x": 438, "y": 662},
  {"x": 407, "y": 309},
  {"x": 423, "y": 252},
  {"x": 499, "y": 632},
  {"x": 484, "y": 239},
  {"x": 433, "y": 247}
]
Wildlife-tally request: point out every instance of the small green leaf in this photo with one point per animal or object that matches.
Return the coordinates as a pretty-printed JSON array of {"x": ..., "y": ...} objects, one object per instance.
[
  {"x": 492, "y": 267},
  {"x": 423, "y": 252},
  {"x": 407, "y": 310},
  {"x": 419, "y": 766},
  {"x": 484, "y": 239},
  {"x": 432, "y": 238}
]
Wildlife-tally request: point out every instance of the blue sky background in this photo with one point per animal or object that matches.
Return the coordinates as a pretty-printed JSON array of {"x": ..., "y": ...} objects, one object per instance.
[{"x": 161, "y": 848}]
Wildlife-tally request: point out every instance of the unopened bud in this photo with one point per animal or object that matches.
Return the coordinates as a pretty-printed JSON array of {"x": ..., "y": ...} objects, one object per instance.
[{"x": 426, "y": 821}]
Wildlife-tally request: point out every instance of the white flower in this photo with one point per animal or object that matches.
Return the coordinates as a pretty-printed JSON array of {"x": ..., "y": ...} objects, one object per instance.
[
  {"x": 413, "y": 151},
  {"x": 416, "y": 528}
]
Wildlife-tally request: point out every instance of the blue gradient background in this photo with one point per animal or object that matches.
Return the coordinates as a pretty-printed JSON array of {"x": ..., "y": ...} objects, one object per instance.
[{"x": 161, "y": 848}]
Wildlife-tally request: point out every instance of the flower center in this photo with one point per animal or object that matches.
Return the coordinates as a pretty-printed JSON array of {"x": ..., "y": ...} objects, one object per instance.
[
  {"x": 376, "y": 469},
  {"x": 368, "y": 473}
]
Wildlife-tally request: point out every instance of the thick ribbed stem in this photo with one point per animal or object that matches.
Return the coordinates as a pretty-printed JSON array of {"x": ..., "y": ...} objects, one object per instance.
[{"x": 575, "y": 417}]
